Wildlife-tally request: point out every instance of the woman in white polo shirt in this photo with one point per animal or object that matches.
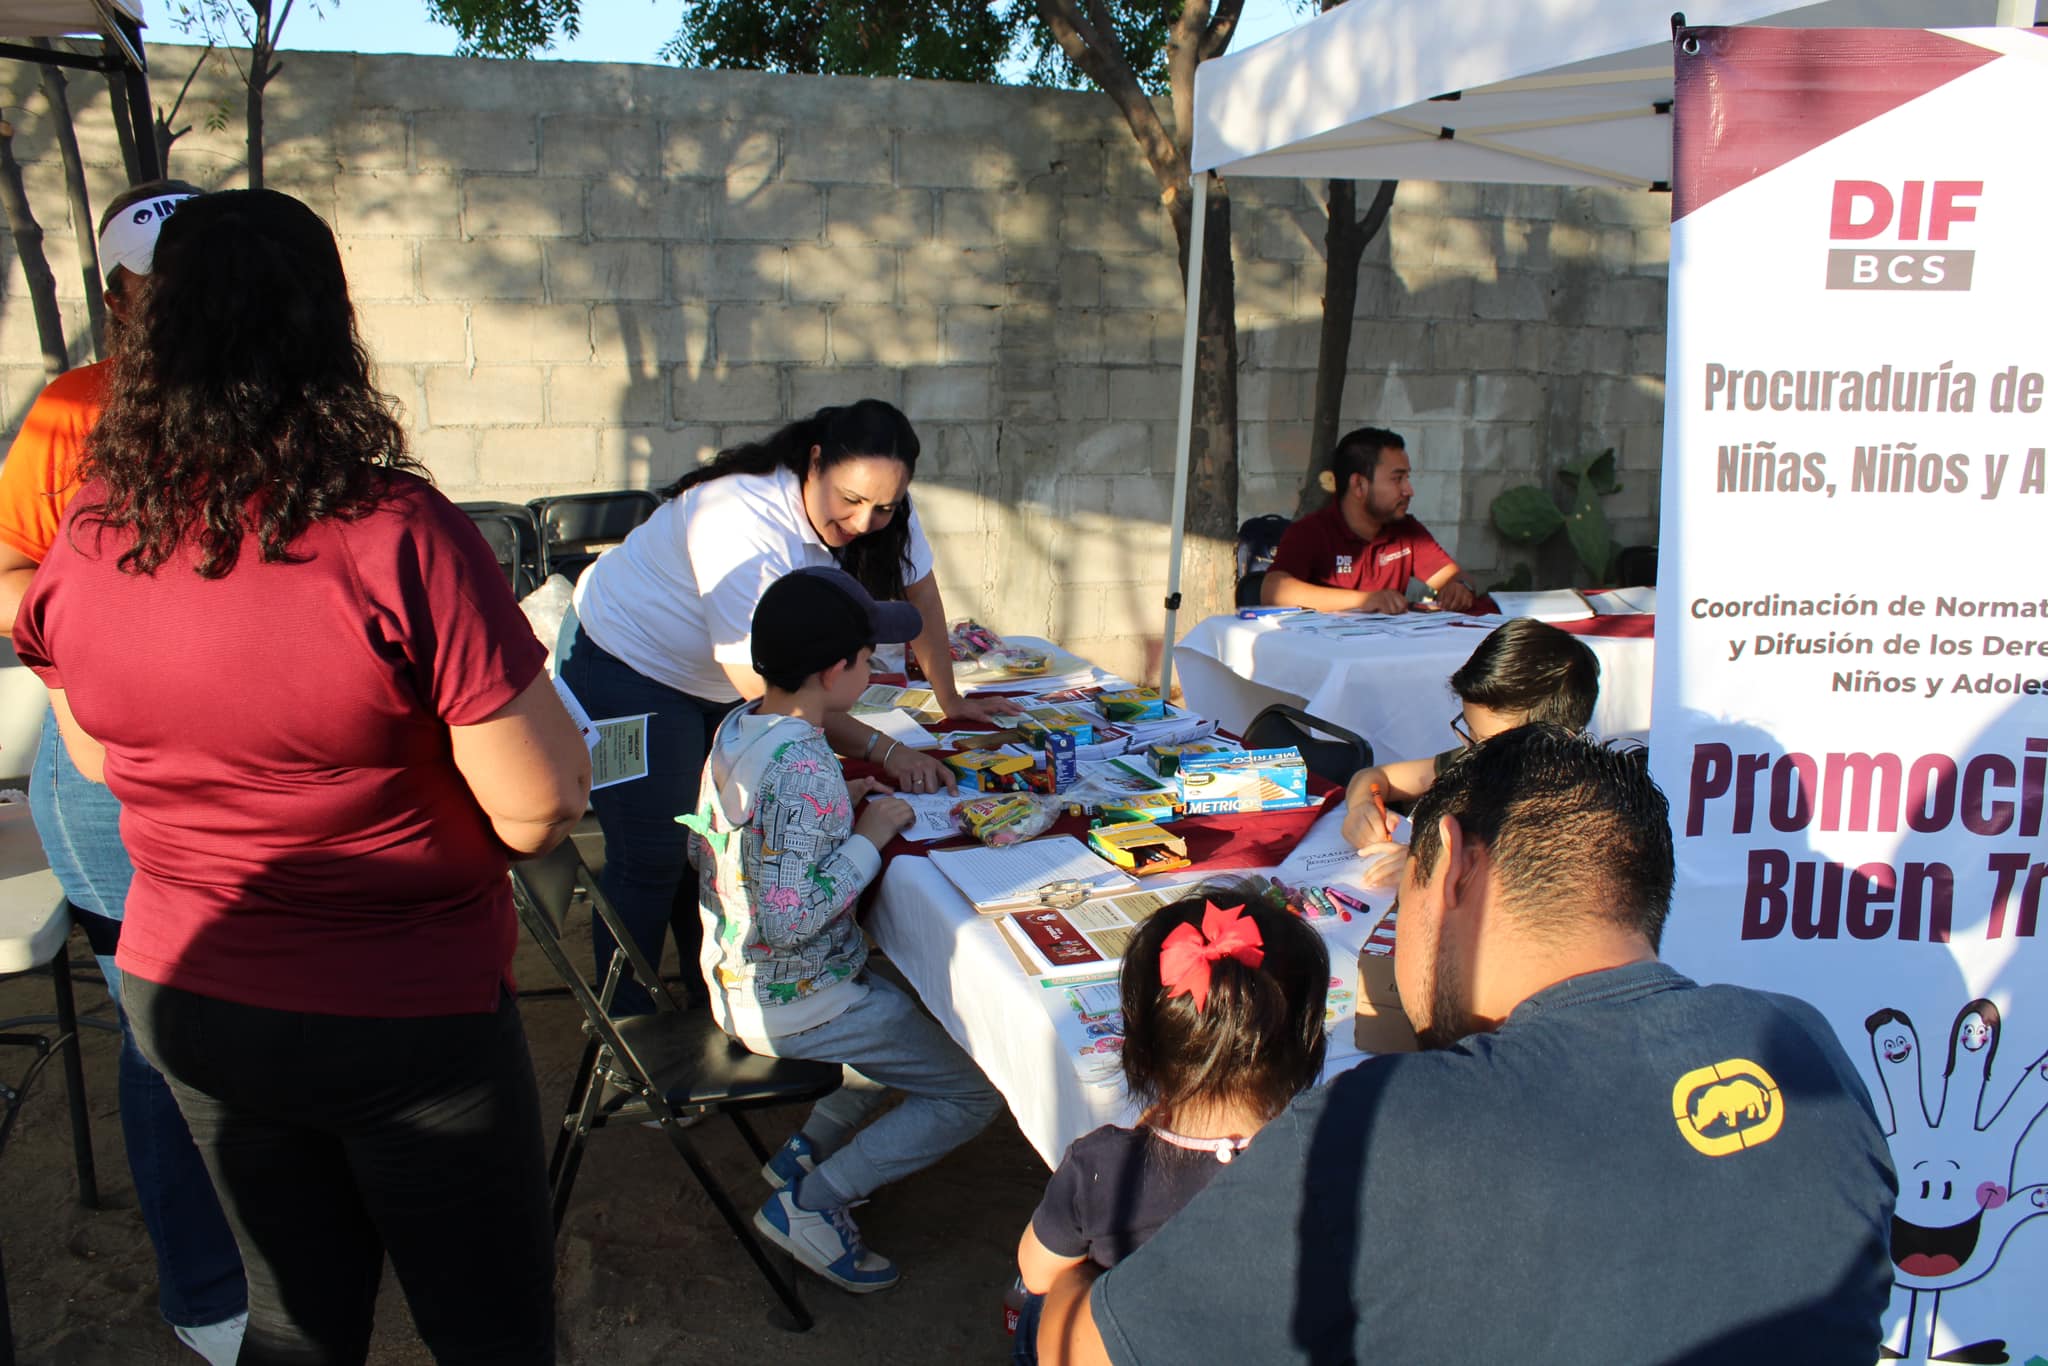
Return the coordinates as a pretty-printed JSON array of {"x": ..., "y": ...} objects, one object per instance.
[{"x": 664, "y": 628}]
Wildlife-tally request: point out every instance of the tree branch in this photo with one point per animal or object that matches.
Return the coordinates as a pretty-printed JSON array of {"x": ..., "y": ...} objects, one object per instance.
[
  {"x": 1104, "y": 62},
  {"x": 1216, "y": 39}
]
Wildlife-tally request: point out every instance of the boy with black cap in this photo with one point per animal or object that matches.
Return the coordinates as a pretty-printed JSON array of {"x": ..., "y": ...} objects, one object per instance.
[{"x": 783, "y": 861}]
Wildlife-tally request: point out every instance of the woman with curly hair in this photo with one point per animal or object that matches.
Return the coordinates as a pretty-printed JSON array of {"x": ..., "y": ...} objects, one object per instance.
[{"x": 301, "y": 671}]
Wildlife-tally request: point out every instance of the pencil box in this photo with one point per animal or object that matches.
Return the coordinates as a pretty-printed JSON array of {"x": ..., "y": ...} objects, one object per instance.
[
  {"x": 1135, "y": 704},
  {"x": 1139, "y": 847},
  {"x": 987, "y": 770}
]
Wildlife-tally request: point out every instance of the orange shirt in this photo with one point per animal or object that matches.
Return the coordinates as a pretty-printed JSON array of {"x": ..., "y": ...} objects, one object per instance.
[{"x": 41, "y": 473}]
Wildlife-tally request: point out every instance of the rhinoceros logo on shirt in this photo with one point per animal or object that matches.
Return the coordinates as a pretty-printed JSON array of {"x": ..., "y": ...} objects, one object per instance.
[{"x": 1728, "y": 1107}]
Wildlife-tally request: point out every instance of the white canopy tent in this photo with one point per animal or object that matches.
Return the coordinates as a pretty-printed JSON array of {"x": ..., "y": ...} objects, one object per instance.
[
  {"x": 1547, "y": 92},
  {"x": 108, "y": 19},
  {"x": 117, "y": 25}
]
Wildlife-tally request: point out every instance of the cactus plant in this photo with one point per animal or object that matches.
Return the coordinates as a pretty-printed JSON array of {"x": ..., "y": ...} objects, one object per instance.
[{"x": 1528, "y": 515}]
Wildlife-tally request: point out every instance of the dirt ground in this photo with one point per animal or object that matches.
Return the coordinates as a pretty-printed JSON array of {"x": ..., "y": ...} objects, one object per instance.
[{"x": 647, "y": 1272}]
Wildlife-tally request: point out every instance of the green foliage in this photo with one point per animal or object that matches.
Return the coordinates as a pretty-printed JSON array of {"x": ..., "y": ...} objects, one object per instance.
[
  {"x": 949, "y": 40},
  {"x": 946, "y": 40},
  {"x": 1527, "y": 516},
  {"x": 507, "y": 28},
  {"x": 1143, "y": 26}
]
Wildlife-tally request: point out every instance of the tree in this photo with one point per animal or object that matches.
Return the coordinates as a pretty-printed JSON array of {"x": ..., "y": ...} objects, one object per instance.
[
  {"x": 56, "y": 92},
  {"x": 28, "y": 245},
  {"x": 946, "y": 40},
  {"x": 259, "y": 25},
  {"x": 1126, "y": 48},
  {"x": 160, "y": 124},
  {"x": 1344, "y": 245},
  {"x": 1088, "y": 35}
]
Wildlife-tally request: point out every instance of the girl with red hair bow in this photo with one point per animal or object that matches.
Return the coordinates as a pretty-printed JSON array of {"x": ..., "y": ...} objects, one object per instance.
[{"x": 1223, "y": 1025}]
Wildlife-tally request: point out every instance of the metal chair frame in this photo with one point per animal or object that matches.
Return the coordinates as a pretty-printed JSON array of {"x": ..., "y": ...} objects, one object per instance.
[
  {"x": 1301, "y": 729},
  {"x": 614, "y": 1083},
  {"x": 614, "y": 514}
]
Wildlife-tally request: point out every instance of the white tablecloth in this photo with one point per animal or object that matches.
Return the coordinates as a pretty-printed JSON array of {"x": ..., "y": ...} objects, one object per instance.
[
  {"x": 967, "y": 977},
  {"x": 1394, "y": 691}
]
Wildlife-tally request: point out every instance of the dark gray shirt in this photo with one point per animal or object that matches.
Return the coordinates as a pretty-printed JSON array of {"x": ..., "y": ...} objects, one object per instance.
[{"x": 1633, "y": 1168}]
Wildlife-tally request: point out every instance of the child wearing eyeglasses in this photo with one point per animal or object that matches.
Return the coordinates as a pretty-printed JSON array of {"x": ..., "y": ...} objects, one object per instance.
[{"x": 1223, "y": 1025}]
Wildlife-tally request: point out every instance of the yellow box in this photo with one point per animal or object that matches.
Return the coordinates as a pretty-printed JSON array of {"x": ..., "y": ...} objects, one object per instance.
[
  {"x": 984, "y": 770},
  {"x": 1139, "y": 847}
]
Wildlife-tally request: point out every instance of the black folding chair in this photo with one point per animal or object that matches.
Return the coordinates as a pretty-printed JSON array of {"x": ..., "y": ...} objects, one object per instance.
[
  {"x": 1257, "y": 540},
  {"x": 1333, "y": 759},
  {"x": 509, "y": 530},
  {"x": 669, "y": 1066},
  {"x": 1635, "y": 566},
  {"x": 575, "y": 527}
]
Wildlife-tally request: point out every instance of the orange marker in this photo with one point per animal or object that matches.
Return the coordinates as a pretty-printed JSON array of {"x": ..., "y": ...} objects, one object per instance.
[{"x": 1379, "y": 801}]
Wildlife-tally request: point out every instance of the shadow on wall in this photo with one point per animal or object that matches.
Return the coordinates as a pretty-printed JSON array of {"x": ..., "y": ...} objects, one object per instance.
[{"x": 583, "y": 276}]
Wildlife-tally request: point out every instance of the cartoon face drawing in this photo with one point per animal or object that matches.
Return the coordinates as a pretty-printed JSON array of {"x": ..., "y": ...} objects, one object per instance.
[{"x": 1958, "y": 1204}]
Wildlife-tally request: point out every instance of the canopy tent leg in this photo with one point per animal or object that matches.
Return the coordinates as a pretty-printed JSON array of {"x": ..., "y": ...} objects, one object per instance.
[
  {"x": 1183, "y": 439},
  {"x": 135, "y": 77}
]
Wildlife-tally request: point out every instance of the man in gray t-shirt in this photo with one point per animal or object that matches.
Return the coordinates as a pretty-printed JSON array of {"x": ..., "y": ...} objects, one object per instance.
[{"x": 1594, "y": 1159}]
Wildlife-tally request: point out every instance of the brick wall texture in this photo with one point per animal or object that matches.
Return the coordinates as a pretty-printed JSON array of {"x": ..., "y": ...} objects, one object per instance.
[{"x": 582, "y": 276}]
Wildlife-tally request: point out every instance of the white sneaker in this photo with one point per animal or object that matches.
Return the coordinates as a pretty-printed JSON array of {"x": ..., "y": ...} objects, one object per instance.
[
  {"x": 220, "y": 1343},
  {"x": 827, "y": 1242}
]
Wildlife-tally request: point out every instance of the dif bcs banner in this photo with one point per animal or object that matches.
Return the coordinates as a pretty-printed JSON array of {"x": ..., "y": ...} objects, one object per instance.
[{"x": 1851, "y": 711}]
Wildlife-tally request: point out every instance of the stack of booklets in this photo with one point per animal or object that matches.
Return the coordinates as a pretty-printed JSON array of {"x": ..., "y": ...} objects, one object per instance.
[{"x": 1025, "y": 876}]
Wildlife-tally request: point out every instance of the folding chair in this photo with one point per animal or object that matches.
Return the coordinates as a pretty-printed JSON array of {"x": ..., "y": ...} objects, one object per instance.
[
  {"x": 574, "y": 527},
  {"x": 1257, "y": 540},
  {"x": 1635, "y": 566},
  {"x": 1333, "y": 760},
  {"x": 667, "y": 1066},
  {"x": 509, "y": 530}
]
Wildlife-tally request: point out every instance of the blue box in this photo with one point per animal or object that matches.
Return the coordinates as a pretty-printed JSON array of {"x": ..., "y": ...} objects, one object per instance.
[{"x": 1256, "y": 780}]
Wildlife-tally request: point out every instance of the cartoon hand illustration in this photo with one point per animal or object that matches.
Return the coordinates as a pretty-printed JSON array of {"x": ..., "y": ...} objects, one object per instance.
[{"x": 1958, "y": 1205}]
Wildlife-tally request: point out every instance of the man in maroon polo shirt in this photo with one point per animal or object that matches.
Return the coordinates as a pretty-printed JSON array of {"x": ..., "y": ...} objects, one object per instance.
[{"x": 1361, "y": 550}]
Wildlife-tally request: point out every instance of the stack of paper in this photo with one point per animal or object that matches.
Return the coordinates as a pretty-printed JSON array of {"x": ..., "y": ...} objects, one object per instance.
[
  {"x": 1015, "y": 877},
  {"x": 1622, "y": 602},
  {"x": 1554, "y": 604}
]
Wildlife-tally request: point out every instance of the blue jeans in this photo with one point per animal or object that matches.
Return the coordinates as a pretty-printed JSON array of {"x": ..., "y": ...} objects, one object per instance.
[
  {"x": 198, "y": 1267},
  {"x": 647, "y": 875}
]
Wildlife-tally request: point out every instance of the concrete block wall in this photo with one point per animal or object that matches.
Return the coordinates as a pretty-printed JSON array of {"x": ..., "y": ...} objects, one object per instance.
[{"x": 588, "y": 276}]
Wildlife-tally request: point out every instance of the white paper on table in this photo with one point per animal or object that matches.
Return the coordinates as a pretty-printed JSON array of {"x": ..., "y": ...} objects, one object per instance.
[
  {"x": 1010, "y": 877},
  {"x": 1551, "y": 604},
  {"x": 620, "y": 754},
  {"x": 1325, "y": 858},
  {"x": 879, "y": 698},
  {"x": 1623, "y": 602},
  {"x": 585, "y": 727},
  {"x": 933, "y": 816},
  {"x": 901, "y": 727}
]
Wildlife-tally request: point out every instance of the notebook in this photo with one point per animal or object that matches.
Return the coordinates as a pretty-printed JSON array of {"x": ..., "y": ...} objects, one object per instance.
[{"x": 1009, "y": 878}]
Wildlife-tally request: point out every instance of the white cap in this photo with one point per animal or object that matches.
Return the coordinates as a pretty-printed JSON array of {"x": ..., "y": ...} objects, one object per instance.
[{"x": 130, "y": 237}]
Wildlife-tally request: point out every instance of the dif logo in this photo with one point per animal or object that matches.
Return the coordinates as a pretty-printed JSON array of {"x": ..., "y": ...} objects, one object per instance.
[{"x": 1889, "y": 220}]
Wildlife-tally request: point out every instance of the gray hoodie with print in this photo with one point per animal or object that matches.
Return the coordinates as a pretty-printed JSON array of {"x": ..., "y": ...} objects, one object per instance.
[{"x": 780, "y": 871}]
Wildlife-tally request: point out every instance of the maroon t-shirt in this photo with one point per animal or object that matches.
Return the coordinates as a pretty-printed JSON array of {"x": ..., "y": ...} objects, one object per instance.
[
  {"x": 1322, "y": 549},
  {"x": 279, "y": 742}
]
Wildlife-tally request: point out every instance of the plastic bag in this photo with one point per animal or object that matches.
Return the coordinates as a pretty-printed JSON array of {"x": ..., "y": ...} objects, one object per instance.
[
  {"x": 545, "y": 607},
  {"x": 1000, "y": 818},
  {"x": 971, "y": 640}
]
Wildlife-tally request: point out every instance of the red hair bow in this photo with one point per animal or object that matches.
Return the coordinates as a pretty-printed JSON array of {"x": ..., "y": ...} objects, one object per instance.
[{"x": 1185, "y": 957}]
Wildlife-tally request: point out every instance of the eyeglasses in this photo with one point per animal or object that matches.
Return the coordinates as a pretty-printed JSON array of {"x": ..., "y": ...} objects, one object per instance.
[{"x": 1462, "y": 731}]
